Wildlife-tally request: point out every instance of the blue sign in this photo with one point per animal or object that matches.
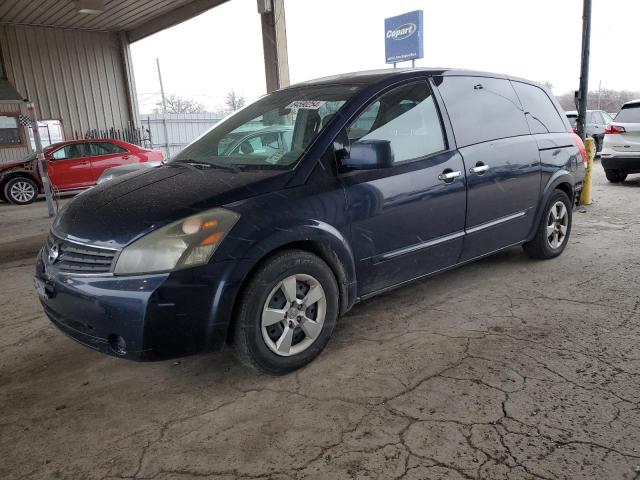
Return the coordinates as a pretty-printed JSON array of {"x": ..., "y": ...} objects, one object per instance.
[{"x": 403, "y": 37}]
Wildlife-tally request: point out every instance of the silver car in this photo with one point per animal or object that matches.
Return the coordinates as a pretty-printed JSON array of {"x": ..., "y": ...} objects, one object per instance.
[{"x": 596, "y": 122}]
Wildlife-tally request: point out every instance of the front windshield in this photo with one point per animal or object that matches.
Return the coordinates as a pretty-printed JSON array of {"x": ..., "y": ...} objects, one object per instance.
[{"x": 272, "y": 132}]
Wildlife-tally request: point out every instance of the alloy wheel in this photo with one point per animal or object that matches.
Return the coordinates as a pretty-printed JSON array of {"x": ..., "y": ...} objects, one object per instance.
[
  {"x": 293, "y": 315},
  {"x": 557, "y": 225},
  {"x": 22, "y": 191}
]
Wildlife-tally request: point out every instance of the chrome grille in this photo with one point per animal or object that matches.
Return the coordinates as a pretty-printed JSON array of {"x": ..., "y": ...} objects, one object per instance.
[{"x": 75, "y": 258}]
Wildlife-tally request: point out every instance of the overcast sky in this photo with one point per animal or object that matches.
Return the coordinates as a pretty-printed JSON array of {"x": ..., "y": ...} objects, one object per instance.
[{"x": 205, "y": 57}]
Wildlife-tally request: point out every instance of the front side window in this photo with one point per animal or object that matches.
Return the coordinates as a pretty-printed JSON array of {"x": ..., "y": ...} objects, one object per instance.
[
  {"x": 406, "y": 117},
  {"x": 271, "y": 133},
  {"x": 10, "y": 130},
  {"x": 74, "y": 150},
  {"x": 104, "y": 148},
  {"x": 540, "y": 111}
]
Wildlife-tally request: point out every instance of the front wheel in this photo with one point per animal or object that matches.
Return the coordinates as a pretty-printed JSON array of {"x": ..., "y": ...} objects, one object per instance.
[
  {"x": 21, "y": 190},
  {"x": 555, "y": 226},
  {"x": 615, "y": 176},
  {"x": 287, "y": 313}
]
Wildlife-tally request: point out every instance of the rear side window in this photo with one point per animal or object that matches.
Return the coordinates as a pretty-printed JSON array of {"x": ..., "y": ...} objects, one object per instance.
[
  {"x": 595, "y": 118},
  {"x": 629, "y": 114},
  {"x": 105, "y": 148},
  {"x": 482, "y": 109},
  {"x": 540, "y": 111},
  {"x": 407, "y": 117},
  {"x": 572, "y": 120}
]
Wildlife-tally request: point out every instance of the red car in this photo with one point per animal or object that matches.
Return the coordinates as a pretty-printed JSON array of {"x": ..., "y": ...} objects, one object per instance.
[{"x": 72, "y": 165}]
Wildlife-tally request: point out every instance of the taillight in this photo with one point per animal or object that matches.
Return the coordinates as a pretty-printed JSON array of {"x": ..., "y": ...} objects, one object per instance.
[
  {"x": 575, "y": 130},
  {"x": 611, "y": 129},
  {"x": 583, "y": 151}
]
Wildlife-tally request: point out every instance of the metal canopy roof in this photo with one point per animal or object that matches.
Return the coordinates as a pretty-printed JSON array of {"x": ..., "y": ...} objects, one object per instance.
[
  {"x": 139, "y": 18},
  {"x": 8, "y": 93}
]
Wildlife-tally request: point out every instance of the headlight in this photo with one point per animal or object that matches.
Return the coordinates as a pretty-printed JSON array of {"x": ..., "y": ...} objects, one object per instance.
[
  {"x": 182, "y": 244},
  {"x": 106, "y": 178}
]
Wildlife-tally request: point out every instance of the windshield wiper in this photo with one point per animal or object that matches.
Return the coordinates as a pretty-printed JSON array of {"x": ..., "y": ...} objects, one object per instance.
[
  {"x": 201, "y": 165},
  {"x": 226, "y": 166}
]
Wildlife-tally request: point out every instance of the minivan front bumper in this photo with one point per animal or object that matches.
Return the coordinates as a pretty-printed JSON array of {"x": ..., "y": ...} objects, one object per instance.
[{"x": 143, "y": 317}]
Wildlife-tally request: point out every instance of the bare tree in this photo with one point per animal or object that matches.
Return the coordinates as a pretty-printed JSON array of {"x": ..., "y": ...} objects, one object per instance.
[
  {"x": 610, "y": 100},
  {"x": 177, "y": 104},
  {"x": 234, "y": 101}
]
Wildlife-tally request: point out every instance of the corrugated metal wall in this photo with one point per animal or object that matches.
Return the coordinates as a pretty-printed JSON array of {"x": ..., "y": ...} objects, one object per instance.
[
  {"x": 72, "y": 75},
  {"x": 182, "y": 128},
  {"x": 13, "y": 154}
]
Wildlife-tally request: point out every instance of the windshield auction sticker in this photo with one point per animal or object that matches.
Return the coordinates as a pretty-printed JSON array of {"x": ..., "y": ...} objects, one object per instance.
[{"x": 307, "y": 104}]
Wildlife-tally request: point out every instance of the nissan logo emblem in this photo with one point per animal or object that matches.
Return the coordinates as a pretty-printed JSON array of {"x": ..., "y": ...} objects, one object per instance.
[{"x": 54, "y": 252}]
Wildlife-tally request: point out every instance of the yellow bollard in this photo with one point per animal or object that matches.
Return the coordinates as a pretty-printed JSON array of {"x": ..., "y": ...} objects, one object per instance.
[{"x": 585, "y": 195}]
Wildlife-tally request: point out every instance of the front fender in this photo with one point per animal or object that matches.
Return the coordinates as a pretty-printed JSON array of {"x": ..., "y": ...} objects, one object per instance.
[
  {"x": 325, "y": 240},
  {"x": 560, "y": 177}
]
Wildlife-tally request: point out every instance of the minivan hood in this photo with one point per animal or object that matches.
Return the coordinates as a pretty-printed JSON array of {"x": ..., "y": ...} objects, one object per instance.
[{"x": 117, "y": 212}]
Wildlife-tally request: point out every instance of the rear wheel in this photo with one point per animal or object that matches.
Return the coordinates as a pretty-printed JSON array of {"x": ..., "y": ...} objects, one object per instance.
[
  {"x": 21, "y": 190},
  {"x": 615, "y": 176},
  {"x": 287, "y": 313},
  {"x": 554, "y": 229}
]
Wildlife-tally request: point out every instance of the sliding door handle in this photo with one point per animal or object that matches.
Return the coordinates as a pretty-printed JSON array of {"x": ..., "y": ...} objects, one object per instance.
[
  {"x": 480, "y": 168},
  {"x": 449, "y": 175}
]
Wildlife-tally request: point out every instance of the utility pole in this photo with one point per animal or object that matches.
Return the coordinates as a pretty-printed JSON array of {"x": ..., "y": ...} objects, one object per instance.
[
  {"x": 164, "y": 111},
  {"x": 583, "y": 93},
  {"x": 42, "y": 161},
  {"x": 599, "y": 93}
]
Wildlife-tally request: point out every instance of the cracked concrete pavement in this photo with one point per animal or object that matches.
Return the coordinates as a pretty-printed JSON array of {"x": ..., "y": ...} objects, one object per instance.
[{"x": 504, "y": 369}]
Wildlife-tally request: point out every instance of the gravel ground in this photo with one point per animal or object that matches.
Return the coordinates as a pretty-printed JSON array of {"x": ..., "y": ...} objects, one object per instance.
[{"x": 504, "y": 369}]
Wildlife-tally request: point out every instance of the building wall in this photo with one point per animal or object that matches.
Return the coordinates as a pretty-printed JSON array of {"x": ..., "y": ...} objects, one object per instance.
[{"x": 79, "y": 77}]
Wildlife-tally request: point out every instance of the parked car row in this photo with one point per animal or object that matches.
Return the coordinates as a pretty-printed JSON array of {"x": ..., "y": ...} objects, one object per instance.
[
  {"x": 617, "y": 139},
  {"x": 356, "y": 184},
  {"x": 72, "y": 165}
]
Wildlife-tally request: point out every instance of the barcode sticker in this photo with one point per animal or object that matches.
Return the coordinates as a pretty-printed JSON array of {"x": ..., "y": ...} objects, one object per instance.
[{"x": 307, "y": 104}]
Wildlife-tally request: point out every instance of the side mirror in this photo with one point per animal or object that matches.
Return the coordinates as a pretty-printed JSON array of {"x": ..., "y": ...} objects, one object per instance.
[{"x": 368, "y": 155}]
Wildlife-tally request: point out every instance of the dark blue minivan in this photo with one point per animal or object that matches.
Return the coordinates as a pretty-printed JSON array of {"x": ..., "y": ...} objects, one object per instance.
[{"x": 380, "y": 178}]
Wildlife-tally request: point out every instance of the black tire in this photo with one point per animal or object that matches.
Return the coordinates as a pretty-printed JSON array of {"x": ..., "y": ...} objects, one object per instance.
[
  {"x": 615, "y": 176},
  {"x": 541, "y": 246},
  {"x": 21, "y": 190},
  {"x": 250, "y": 345}
]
